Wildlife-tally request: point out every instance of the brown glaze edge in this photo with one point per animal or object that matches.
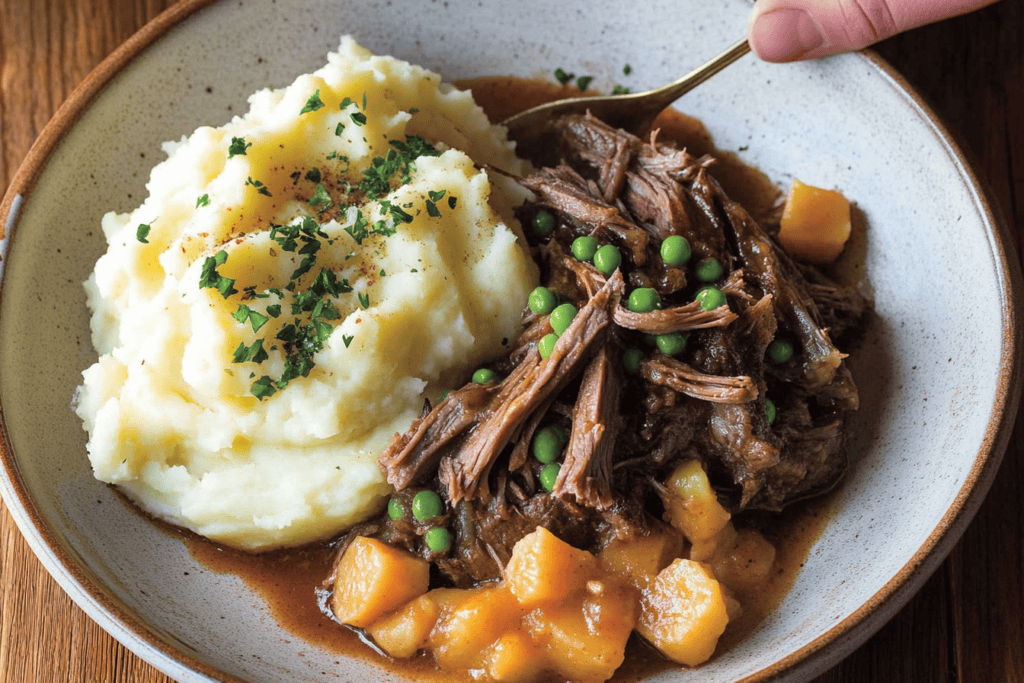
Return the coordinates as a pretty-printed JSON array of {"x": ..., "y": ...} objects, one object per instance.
[
  {"x": 10, "y": 208},
  {"x": 865, "y": 621}
]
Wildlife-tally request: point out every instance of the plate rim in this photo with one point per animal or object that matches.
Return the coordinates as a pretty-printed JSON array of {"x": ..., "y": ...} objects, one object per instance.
[{"x": 846, "y": 635}]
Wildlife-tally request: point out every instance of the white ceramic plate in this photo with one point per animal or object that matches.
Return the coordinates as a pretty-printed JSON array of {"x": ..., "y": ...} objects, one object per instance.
[{"x": 939, "y": 371}]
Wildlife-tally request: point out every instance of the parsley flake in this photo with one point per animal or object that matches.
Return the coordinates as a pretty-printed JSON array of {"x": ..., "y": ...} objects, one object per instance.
[
  {"x": 203, "y": 201},
  {"x": 358, "y": 118},
  {"x": 211, "y": 278},
  {"x": 321, "y": 199},
  {"x": 347, "y": 339},
  {"x": 263, "y": 388},
  {"x": 142, "y": 232},
  {"x": 238, "y": 147},
  {"x": 313, "y": 103},
  {"x": 364, "y": 299},
  {"x": 432, "y": 210},
  {"x": 339, "y": 129},
  {"x": 562, "y": 77},
  {"x": 260, "y": 187},
  {"x": 583, "y": 81},
  {"x": 313, "y": 175}
]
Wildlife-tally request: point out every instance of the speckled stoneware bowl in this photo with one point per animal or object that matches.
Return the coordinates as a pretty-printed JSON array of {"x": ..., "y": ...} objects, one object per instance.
[{"x": 939, "y": 376}]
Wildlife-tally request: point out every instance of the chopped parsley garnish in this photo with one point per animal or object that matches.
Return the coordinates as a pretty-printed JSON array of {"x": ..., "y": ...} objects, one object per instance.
[
  {"x": 211, "y": 278},
  {"x": 563, "y": 77},
  {"x": 358, "y": 118},
  {"x": 254, "y": 353},
  {"x": 313, "y": 103},
  {"x": 313, "y": 175},
  {"x": 321, "y": 200},
  {"x": 348, "y": 101},
  {"x": 142, "y": 232},
  {"x": 364, "y": 299},
  {"x": 203, "y": 201},
  {"x": 619, "y": 90},
  {"x": 627, "y": 69},
  {"x": 583, "y": 81},
  {"x": 238, "y": 147},
  {"x": 260, "y": 187},
  {"x": 432, "y": 210},
  {"x": 347, "y": 339},
  {"x": 263, "y": 387},
  {"x": 452, "y": 200},
  {"x": 339, "y": 129}
]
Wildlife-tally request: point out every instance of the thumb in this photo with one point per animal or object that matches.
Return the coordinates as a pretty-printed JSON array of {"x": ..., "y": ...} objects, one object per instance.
[{"x": 790, "y": 30}]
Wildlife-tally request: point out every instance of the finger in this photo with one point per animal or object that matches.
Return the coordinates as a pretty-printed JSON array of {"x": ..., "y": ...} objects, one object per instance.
[{"x": 789, "y": 30}]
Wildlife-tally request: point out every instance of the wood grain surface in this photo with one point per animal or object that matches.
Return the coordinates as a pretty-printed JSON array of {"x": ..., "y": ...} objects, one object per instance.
[{"x": 965, "y": 626}]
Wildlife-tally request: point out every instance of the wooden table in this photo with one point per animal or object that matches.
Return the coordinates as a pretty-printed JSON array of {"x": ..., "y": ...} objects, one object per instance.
[{"x": 967, "y": 623}]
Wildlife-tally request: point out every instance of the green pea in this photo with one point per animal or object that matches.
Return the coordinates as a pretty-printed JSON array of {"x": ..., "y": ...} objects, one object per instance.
[
  {"x": 780, "y": 351},
  {"x": 711, "y": 298},
  {"x": 671, "y": 344},
  {"x": 631, "y": 359},
  {"x": 547, "y": 344},
  {"x": 651, "y": 339},
  {"x": 769, "y": 410},
  {"x": 549, "y": 475},
  {"x": 708, "y": 270},
  {"x": 426, "y": 504},
  {"x": 643, "y": 300},
  {"x": 542, "y": 300},
  {"x": 438, "y": 539},
  {"x": 675, "y": 250},
  {"x": 546, "y": 446},
  {"x": 395, "y": 508},
  {"x": 562, "y": 317},
  {"x": 561, "y": 433},
  {"x": 584, "y": 247},
  {"x": 484, "y": 376},
  {"x": 607, "y": 258},
  {"x": 543, "y": 223}
]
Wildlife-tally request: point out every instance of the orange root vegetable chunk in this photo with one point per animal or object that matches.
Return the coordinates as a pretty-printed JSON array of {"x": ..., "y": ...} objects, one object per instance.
[
  {"x": 463, "y": 633},
  {"x": 543, "y": 569},
  {"x": 515, "y": 658},
  {"x": 638, "y": 560},
  {"x": 691, "y": 504},
  {"x": 815, "y": 223},
  {"x": 374, "y": 578},
  {"x": 403, "y": 632},
  {"x": 746, "y": 562},
  {"x": 684, "y": 612},
  {"x": 587, "y": 643}
]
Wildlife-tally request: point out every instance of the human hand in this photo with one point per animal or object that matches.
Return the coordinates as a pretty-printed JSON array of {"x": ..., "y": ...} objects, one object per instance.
[{"x": 791, "y": 30}]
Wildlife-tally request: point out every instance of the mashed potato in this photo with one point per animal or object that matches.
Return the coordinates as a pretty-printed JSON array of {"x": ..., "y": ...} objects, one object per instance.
[{"x": 293, "y": 286}]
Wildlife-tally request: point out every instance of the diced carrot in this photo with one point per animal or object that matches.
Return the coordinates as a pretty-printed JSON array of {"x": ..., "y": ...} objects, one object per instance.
[
  {"x": 402, "y": 632},
  {"x": 691, "y": 504},
  {"x": 815, "y": 223},
  {"x": 461, "y": 635},
  {"x": 374, "y": 578},
  {"x": 638, "y": 560},
  {"x": 544, "y": 568},
  {"x": 684, "y": 612}
]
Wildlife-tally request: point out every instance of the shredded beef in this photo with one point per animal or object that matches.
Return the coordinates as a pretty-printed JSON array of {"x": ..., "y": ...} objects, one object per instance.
[{"x": 628, "y": 427}]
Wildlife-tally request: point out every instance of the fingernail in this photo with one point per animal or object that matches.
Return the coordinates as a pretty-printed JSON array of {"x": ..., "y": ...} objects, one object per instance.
[{"x": 783, "y": 35}]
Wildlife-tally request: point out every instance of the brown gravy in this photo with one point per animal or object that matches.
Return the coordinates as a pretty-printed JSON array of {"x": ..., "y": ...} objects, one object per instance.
[{"x": 289, "y": 579}]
